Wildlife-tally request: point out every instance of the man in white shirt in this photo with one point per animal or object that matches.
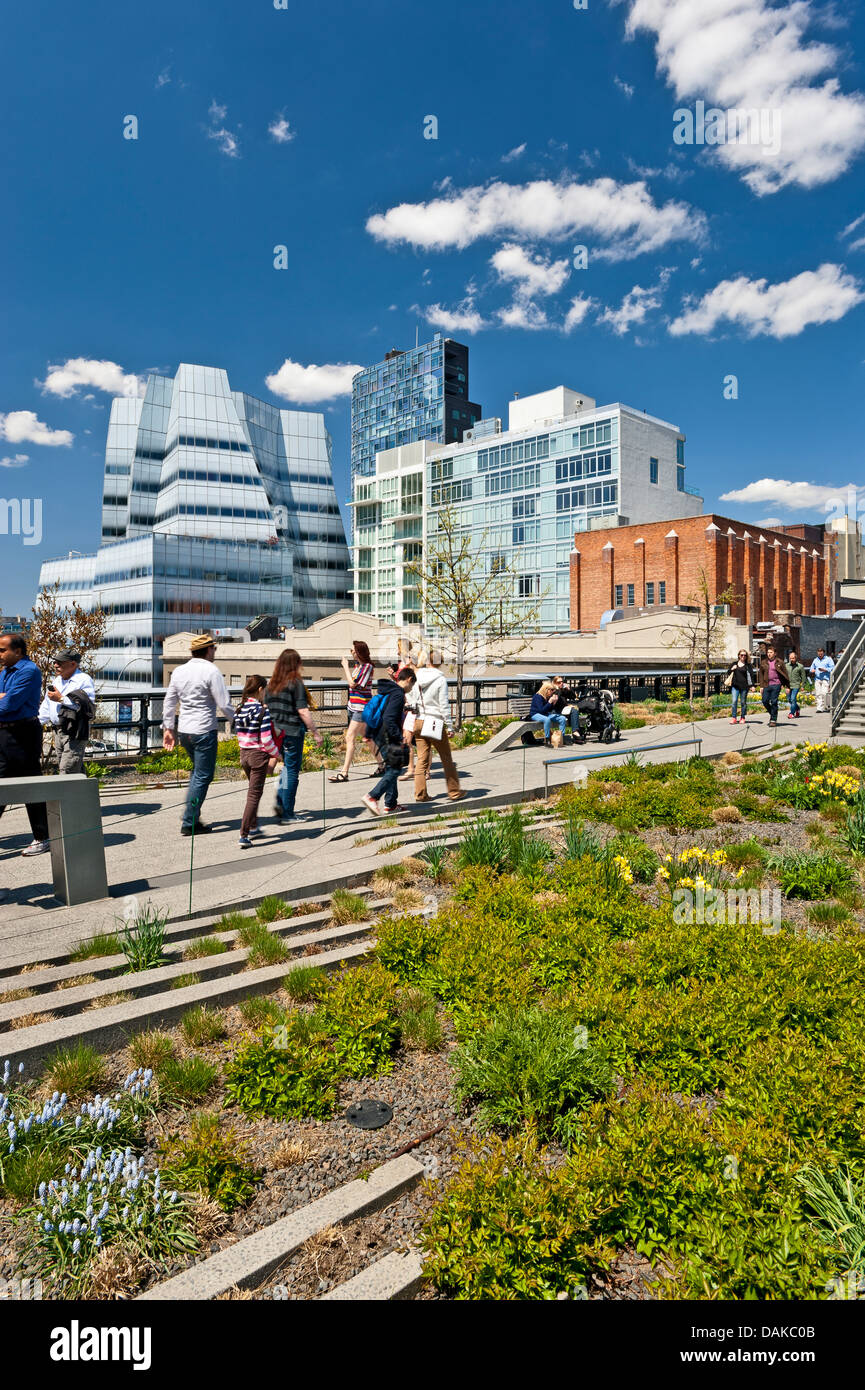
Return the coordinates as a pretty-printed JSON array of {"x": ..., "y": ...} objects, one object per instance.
[
  {"x": 70, "y": 748},
  {"x": 821, "y": 669},
  {"x": 200, "y": 690}
]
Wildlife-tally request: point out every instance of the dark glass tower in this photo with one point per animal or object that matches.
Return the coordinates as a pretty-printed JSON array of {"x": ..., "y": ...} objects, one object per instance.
[{"x": 422, "y": 393}]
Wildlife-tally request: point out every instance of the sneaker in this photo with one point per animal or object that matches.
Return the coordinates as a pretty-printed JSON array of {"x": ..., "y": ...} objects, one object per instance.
[
  {"x": 371, "y": 806},
  {"x": 255, "y": 832},
  {"x": 244, "y": 842},
  {"x": 741, "y": 719},
  {"x": 200, "y": 828},
  {"x": 791, "y": 716},
  {"x": 397, "y": 810},
  {"x": 457, "y": 796},
  {"x": 734, "y": 721},
  {"x": 37, "y": 847},
  {"x": 773, "y": 724}
]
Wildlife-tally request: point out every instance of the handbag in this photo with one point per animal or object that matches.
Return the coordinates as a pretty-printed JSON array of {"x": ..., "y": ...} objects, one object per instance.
[
  {"x": 728, "y": 680},
  {"x": 432, "y": 727}
]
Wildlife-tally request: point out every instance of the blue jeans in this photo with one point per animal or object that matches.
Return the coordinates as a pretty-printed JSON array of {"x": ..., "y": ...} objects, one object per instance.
[
  {"x": 770, "y": 701},
  {"x": 202, "y": 750},
  {"x": 292, "y": 756},
  {"x": 548, "y": 720},
  {"x": 794, "y": 699},
  {"x": 386, "y": 787},
  {"x": 740, "y": 700}
]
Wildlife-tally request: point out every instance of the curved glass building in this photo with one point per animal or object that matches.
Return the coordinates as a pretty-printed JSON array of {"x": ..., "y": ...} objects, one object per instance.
[{"x": 217, "y": 507}]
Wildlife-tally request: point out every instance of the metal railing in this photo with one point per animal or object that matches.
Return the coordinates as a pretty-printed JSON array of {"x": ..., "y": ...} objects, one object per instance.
[
  {"x": 132, "y": 721},
  {"x": 847, "y": 675},
  {"x": 610, "y": 752}
]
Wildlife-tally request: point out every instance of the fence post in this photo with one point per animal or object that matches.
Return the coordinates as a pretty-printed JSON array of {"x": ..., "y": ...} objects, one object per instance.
[{"x": 144, "y": 726}]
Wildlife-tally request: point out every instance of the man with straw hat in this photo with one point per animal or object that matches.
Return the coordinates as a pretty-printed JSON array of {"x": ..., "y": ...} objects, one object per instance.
[{"x": 199, "y": 688}]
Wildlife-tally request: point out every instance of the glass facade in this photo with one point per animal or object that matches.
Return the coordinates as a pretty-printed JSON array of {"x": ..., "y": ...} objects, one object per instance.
[
  {"x": 413, "y": 395},
  {"x": 216, "y": 507}
]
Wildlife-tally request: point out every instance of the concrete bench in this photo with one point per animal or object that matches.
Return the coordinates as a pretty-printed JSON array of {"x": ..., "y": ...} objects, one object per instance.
[
  {"x": 516, "y": 732},
  {"x": 74, "y": 830}
]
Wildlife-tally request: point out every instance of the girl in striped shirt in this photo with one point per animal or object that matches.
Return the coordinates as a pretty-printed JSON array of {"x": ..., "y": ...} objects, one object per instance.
[
  {"x": 259, "y": 753},
  {"x": 359, "y": 678}
]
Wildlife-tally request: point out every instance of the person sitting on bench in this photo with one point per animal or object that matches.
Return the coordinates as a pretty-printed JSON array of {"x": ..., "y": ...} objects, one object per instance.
[
  {"x": 567, "y": 703},
  {"x": 544, "y": 711}
]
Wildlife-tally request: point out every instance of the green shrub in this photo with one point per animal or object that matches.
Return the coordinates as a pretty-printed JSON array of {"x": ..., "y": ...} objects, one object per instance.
[
  {"x": 228, "y": 753},
  {"x": 210, "y": 1159},
  {"x": 295, "y": 1081},
  {"x": 162, "y": 761},
  {"x": 419, "y": 1022},
  {"x": 406, "y": 946},
  {"x": 644, "y": 861},
  {"x": 200, "y": 1026},
  {"x": 581, "y": 840},
  {"x": 185, "y": 1078},
  {"x": 531, "y": 1066},
  {"x": 483, "y": 845},
  {"x": 434, "y": 856},
  {"x": 853, "y": 832},
  {"x": 532, "y": 857},
  {"x": 359, "y": 1012},
  {"x": 142, "y": 938},
  {"x": 273, "y": 909},
  {"x": 812, "y": 875}
]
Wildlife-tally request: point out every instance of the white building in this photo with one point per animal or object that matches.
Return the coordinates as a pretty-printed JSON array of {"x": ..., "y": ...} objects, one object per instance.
[{"x": 564, "y": 464}]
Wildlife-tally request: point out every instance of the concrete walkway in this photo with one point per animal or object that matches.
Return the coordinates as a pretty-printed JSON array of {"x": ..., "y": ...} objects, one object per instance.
[{"x": 150, "y": 861}]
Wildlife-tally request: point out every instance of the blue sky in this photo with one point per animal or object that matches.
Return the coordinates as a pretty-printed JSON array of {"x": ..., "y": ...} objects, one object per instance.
[{"x": 304, "y": 127}]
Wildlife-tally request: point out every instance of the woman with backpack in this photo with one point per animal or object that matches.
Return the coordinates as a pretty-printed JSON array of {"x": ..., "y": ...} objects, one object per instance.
[
  {"x": 259, "y": 753},
  {"x": 359, "y": 678},
  {"x": 385, "y": 719},
  {"x": 739, "y": 679},
  {"x": 289, "y": 707}
]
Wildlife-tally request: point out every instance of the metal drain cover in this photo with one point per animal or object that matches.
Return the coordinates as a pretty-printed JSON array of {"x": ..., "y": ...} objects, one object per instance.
[{"x": 369, "y": 1114}]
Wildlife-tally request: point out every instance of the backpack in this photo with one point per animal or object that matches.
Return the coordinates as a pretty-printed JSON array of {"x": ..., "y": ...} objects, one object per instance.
[{"x": 373, "y": 711}]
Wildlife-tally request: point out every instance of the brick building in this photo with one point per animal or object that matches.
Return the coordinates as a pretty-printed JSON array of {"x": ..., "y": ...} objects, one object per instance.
[{"x": 649, "y": 566}]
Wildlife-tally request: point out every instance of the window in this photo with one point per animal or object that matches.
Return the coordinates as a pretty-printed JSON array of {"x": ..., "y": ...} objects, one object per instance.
[
  {"x": 662, "y": 592},
  {"x": 680, "y": 477},
  {"x": 630, "y": 595},
  {"x": 653, "y": 470},
  {"x": 529, "y": 585},
  {"x": 619, "y": 593},
  {"x": 650, "y": 595}
]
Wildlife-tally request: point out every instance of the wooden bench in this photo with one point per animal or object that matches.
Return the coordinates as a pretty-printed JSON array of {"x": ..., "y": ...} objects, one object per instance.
[{"x": 74, "y": 831}]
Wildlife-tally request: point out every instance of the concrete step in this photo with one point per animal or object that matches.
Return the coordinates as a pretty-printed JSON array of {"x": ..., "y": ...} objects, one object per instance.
[
  {"x": 396, "y": 1276},
  {"x": 249, "y": 1262}
]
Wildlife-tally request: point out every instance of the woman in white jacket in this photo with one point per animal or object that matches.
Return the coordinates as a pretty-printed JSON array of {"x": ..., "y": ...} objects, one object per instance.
[{"x": 434, "y": 711}]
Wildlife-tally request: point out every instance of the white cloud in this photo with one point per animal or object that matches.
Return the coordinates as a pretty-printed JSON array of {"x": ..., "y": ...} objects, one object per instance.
[
  {"x": 280, "y": 130},
  {"x": 577, "y": 312},
  {"x": 776, "y": 311},
  {"x": 464, "y": 319},
  {"x": 164, "y": 77},
  {"x": 312, "y": 384},
  {"x": 17, "y": 462},
  {"x": 76, "y": 372},
  {"x": 514, "y": 153},
  {"x": 226, "y": 139},
  {"x": 794, "y": 497},
  {"x": 523, "y": 313},
  {"x": 859, "y": 243},
  {"x": 23, "y": 427},
  {"x": 531, "y": 276},
  {"x": 753, "y": 54},
  {"x": 632, "y": 310},
  {"x": 622, "y": 217},
  {"x": 624, "y": 87}
]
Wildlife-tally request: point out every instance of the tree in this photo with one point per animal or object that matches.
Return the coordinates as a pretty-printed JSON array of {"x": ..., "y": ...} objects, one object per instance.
[
  {"x": 57, "y": 626},
  {"x": 702, "y": 637},
  {"x": 468, "y": 612}
]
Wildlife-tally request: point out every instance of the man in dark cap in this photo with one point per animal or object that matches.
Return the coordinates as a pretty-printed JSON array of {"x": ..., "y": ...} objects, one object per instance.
[{"x": 69, "y": 706}]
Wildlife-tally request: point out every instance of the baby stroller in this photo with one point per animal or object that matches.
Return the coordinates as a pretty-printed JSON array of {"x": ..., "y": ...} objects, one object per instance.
[{"x": 596, "y": 716}]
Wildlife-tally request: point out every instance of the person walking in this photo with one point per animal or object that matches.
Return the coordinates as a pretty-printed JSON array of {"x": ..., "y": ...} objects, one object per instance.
[
  {"x": 798, "y": 676},
  {"x": 359, "y": 678},
  {"x": 69, "y": 706},
  {"x": 820, "y": 671},
  {"x": 197, "y": 686},
  {"x": 738, "y": 680},
  {"x": 287, "y": 699},
  {"x": 20, "y": 729},
  {"x": 433, "y": 715},
  {"x": 773, "y": 674},
  {"x": 544, "y": 710},
  {"x": 259, "y": 753},
  {"x": 392, "y": 739}
]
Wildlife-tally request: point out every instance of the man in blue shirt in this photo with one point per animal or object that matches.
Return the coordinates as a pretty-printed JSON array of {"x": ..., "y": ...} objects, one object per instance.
[
  {"x": 20, "y": 730},
  {"x": 821, "y": 669}
]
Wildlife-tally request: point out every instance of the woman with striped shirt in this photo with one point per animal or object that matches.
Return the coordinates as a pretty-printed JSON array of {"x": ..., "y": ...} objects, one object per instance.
[
  {"x": 259, "y": 753},
  {"x": 359, "y": 695}
]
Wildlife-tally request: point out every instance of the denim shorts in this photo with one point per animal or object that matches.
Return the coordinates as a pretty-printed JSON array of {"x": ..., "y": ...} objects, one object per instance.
[{"x": 355, "y": 716}]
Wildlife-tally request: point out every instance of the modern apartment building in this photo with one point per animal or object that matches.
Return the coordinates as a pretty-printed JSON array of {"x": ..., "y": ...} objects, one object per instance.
[
  {"x": 422, "y": 393},
  {"x": 216, "y": 507},
  {"x": 564, "y": 465}
]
